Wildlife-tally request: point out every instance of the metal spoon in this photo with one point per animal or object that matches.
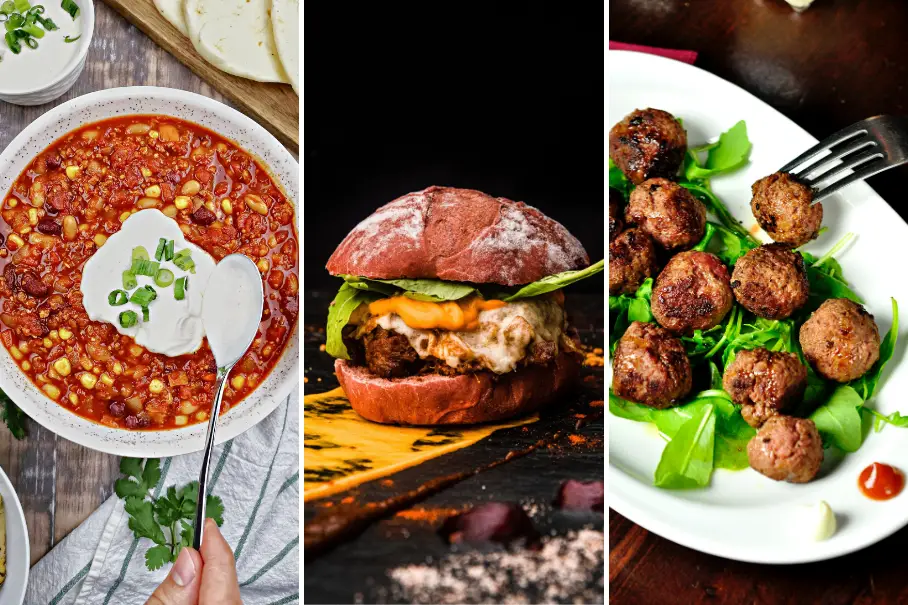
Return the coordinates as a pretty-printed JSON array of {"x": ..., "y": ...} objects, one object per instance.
[{"x": 231, "y": 313}]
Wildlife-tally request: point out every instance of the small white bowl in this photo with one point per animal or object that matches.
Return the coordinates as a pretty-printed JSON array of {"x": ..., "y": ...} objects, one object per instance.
[
  {"x": 227, "y": 122},
  {"x": 18, "y": 550},
  {"x": 38, "y": 60}
]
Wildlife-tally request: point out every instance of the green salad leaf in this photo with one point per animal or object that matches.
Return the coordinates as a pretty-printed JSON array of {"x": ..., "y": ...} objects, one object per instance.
[
  {"x": 554, "y": 282},
  {"x": 625, "y": 309},
  {"x": 867, "y": 385},
  {"x": 12, "y": 416},
  {"x": 617, "y": 180},
  {"x": 839, "y": 420},
  {"x": 702, "y": 191},
  {"x": 431, "y": 290},
  {"x": 687, "y": 460},
  {"x": 730, "y": 152},
  {"x": 347, "y": 300}
]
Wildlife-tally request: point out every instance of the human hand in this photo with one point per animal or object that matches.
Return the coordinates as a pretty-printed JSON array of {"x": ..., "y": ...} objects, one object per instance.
[{"x": 206, "y": 578}]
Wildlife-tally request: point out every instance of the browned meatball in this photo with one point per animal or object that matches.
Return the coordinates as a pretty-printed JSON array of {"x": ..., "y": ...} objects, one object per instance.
[
  {"x": 692, "y": 293},
  {"x": 840, "y": 340},
  {"x": 647, "y": 143},
  {"x": 786, "y": 449},
  {"x": 782, "y": 207},
  {"x": 631, "y": 259},
  {"x": 650, "y": 366},
  {"x": 615, "y": 214},
  {"x": 765, "y": 383},
  {"x": 668, "y": 212},
  {"x": 771, "y": 281}
]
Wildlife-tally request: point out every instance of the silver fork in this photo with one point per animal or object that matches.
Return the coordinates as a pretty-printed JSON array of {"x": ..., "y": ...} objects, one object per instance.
[{"x": 866, "y": 148}]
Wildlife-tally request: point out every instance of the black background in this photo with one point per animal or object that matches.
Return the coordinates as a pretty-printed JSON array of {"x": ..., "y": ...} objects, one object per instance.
[{"x": 504, "y": 97}]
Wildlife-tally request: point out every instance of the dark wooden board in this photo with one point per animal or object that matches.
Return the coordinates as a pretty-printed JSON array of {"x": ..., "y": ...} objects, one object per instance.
[
  {"x": 357, "y": 569},
  {"x": 274, "y": 106},
  {"x": 839, "y": 62}
]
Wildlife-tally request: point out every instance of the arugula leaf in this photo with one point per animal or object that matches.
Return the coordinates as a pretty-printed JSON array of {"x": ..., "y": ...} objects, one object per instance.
[
  {"x": 617, "y": 180},
  {"x": 431, "y": 290},
  {"x": 839, "y": 420},
  {"x": 625, "y": 309},
  {"x": 867, "y": 384},
  {"x": 687, "y": 461},
  {"x": 731, "y": 151},
  {"x": 895, "y": 419},
  {"x": 12, "y": 416},
  {"x": 346, "y": 301},
  {"x": 551, "y": 283},
  {"x": 628, "y": 409},
  {"x": 732, "y": 435},
  {"x": 714, "y": 205}
]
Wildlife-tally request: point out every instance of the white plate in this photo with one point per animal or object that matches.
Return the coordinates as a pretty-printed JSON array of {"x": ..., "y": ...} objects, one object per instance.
[
  {"x": 228, "y": 123},
  {"x": 18, "y": 553},
  {"x": 742, "y": 515}
]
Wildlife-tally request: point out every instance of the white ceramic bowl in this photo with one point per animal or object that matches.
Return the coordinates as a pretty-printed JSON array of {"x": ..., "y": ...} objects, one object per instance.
[
  {"x": 18, "y": 550},
  {"x": 223, "y": 120},
  {"x": 58, "y": 84}
]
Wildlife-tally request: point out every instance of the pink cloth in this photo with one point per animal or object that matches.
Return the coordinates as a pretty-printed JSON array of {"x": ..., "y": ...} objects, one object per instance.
[{"x": 685, "y": 56}]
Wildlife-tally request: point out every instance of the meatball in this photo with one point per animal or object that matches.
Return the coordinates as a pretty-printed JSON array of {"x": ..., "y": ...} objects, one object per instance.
[
  {"x": 765, "y": 383},
  {"x": 786, "y": 449},
  {"x": 782, "y": 207},
  {"x": 615, "y": 215},
  {"x": 771, "y": 281},
  {"x": 668, "y": 212},
  {"x": 692, "y": 293},
  {"x": 631, "y": 259},
  {"x": 648, "y": 143},
  {"x": 650, "y": 366},
  {"x": 840, "y": 340}
]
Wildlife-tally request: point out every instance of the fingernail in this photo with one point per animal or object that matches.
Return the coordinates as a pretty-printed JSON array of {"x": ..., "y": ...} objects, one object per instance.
[{"x": 183, "y": 571}]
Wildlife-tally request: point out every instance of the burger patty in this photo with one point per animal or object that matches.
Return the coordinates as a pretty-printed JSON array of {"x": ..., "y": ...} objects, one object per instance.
[{"x": 388, "y": 354}]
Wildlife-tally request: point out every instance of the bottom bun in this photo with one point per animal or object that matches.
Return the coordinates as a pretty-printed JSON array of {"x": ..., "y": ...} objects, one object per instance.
[{"x": 463, "y": 399}]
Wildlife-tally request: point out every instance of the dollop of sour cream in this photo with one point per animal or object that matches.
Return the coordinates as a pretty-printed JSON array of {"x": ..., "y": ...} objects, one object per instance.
[
  {"x": 175, "y": 327},
  {"x": 816, "y": 522}
]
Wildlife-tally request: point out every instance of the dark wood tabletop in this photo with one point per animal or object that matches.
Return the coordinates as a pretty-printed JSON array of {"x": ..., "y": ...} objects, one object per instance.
[
  {"x": 839, "y": 62},
  {"x": 58, "y": 482}
]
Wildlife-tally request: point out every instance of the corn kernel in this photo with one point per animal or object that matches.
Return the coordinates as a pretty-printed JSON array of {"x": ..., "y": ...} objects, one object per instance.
[
  {"x": 106, "y": 379},
  {"x": 51, "y": 391},
  {"x": 263, "y": 265},
  {"x": 26, "y": 366},
  {"x": 201, "y": 416},
  {"x": 191, "y": 187},
  {"x": 180, "y": 420},
  {"x": 74, "y": 399},
  {"x": 17, "y": 354},
  {"x": 55, "y": 335},
  {"x": 72, "y": 172},
  {"x": 181, "y": 202},
  {"x": 47, "y": 342},
  {"x": 63, "y": 367},
  {"x": 226, "y": 206},
  {"x": 135, "y": 350},
  {"x": 238, "y": 381},
  {"x": 154, "y": 134},
  {"x": 146, "y": 172},
  {"x": 100, "y": 239},
  {"x": 156, "y": 386},
  {"x": 65, "y": 334},
  {"x": 124, "y": 216},
  {"x": 88, "y": 380},
  {"x": 153, "y": 191},
  {"x": 32, "y": 216},
  {"x": 118, "y": 368}
]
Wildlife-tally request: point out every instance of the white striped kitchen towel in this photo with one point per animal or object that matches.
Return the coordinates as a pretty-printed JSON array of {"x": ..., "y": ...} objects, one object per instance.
[{"x": 257, "y": 477}]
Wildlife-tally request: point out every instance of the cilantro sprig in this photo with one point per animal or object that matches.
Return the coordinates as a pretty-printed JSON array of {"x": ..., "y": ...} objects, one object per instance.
[
  {"x": 12, "y": 416},
  {"x": 165, "y": 520}
]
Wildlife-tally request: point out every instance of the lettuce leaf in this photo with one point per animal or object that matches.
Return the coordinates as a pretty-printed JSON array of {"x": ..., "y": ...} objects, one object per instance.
[
  {"x": 346, "y": 301},
  {"x": 430, "y": 290},
  {"x": 555, "y": 282},
  {"x": 731, "y": 151}
]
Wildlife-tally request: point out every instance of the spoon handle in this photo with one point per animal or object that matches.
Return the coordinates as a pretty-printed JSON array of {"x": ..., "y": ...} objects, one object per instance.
[{"x": 220, "y": 384}]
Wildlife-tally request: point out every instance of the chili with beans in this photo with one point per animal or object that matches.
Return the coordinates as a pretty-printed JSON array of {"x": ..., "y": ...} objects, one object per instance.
[{"x": 76, "y": 194}]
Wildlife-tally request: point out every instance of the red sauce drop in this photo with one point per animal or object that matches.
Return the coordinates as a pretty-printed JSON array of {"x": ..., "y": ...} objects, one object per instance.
[{"x": 881, "y": 481}]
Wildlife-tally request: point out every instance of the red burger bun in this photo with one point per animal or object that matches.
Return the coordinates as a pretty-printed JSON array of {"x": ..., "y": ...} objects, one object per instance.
[{"x": 462, "y": 399}]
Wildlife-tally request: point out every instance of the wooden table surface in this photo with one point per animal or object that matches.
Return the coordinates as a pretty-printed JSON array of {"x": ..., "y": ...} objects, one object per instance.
[
  {"x": 837, "y": 63},
  {"x": 60, "y": 483}
]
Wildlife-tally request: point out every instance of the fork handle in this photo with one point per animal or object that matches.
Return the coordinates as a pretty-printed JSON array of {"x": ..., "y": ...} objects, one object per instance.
[{"x": 220, "y": 385}]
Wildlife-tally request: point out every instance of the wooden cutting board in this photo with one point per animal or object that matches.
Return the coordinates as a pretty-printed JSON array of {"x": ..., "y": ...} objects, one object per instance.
[{"x": 274, "y": 106}]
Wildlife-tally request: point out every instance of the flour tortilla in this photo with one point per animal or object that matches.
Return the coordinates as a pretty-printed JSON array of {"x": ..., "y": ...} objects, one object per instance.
[
  {"x": 235, "y": 36},
  {"x": 285, "y": 21},
  {"x": 172, "y": 10}
]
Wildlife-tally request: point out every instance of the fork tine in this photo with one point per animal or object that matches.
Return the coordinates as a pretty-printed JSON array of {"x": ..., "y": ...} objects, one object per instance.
[
  {"x": 841, "y": 136},
  {"x": 864, "y": 173},
  {"x": 826, "y": 160},
  {"x": 849, "y": 164}
]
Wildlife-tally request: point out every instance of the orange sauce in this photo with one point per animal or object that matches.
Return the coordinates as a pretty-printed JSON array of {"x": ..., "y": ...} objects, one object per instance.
[
  {"x": 424, "y": 315},
  {"x": 881, "y": 481}
]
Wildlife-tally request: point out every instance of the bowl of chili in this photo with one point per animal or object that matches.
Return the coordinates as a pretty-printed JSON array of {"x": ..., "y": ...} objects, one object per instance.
[{"x": 69, "y": 181}]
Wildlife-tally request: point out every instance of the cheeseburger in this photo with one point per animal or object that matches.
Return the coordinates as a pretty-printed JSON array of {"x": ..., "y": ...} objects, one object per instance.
[{"x": 451, "y": 310}]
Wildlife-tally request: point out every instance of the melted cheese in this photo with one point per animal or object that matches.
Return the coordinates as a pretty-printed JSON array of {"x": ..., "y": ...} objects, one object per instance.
[
  {"x": 498, "y": 341},
  {"x": 423, "y": 315}
]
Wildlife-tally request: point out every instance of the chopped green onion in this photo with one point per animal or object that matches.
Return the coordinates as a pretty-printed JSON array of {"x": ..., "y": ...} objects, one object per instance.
[
  {"x": 140, "y": 252},
  {"x": 31, "y": 43},
  {"x": 143, "y": 296},
  {"x": 13, "y": 43},
  {"x": 159, "y": 253},
  {"x": 184, "y": 262},
  {"x": 48, "y": 24},
  {"x": 36, "y": 10},
  {"x": 183, "y": 252},
  {"x": 69, "y": 40},
  {"x": 168, "y": 250},
  {"x": 180, "y": 287},
  {"x": 8, "y": 7},
  {"x": 117, "y": 298},
  {"x": 34, "y": 30},
  {"x": 164, "y": 278},
  {"x": 71, "y": 7},
  {"x": 129, "y": 280},
  {"x": 22, "y": 5},
  {"x": 145, "y": 267},
  {"x": 145, "y": 314},
  {"x": 128, "y": 319}
]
